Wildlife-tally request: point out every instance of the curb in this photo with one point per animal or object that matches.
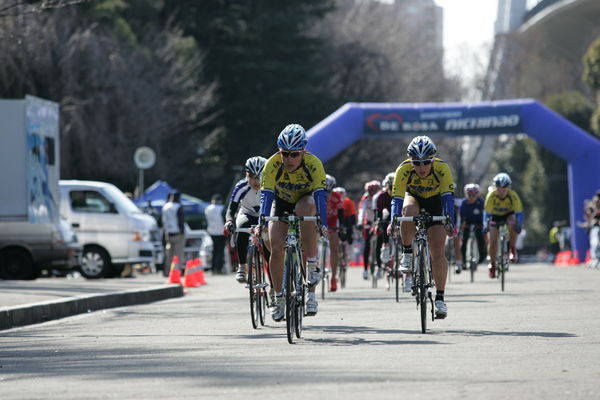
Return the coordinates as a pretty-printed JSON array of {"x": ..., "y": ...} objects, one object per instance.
[{"x": 12, "y": 317}]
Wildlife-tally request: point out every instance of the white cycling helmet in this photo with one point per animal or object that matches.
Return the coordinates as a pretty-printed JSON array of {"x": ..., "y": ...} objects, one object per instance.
[
  {"x": 502, "y": 180},
  {"x": 421, "y": 147},
  {"x": 330, "y": 182},
  {"x": 339, "y": 189},
  {"x": 255, "y": 165},
  {"x": 389, "y": 180},
  {"x": 292, "y": 137},
  {"x": 472, "y": 188}
]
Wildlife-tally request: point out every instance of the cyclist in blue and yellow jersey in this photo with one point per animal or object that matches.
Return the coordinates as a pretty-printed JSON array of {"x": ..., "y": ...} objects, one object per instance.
[
  {"x": 502, "y": 205},
  {"x": 425, "y": 182},
  {"x": 293, "y": 182}
]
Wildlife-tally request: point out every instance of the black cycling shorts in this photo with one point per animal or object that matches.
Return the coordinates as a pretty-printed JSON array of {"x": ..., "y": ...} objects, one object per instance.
[
  {"x": 283, "y": 207},
  {"x": 501, "y": 218},
  {"x": 433, "y": 206}
]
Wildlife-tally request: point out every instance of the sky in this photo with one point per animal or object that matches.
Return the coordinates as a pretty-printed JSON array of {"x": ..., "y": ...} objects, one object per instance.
[{"x": 468, "y": 24}]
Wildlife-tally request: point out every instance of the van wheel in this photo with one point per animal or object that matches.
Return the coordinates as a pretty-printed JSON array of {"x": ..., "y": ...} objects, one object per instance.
[
  {"x": 16, "y": 264},
  {"x": 95, "y": 263}
]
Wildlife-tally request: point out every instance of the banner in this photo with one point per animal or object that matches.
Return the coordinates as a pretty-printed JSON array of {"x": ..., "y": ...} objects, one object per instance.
[{"x": 464, "y": 121}]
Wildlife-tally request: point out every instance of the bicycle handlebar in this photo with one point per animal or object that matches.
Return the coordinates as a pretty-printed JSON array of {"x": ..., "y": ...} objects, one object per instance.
[
  {"x": 290, "y": 218},
  {"x": 440, "y": 218},
  {"x": 244, "y": 230}
]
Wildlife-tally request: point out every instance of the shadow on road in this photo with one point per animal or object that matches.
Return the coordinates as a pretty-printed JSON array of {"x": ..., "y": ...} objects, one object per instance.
[{"x": 508, "y": 333}]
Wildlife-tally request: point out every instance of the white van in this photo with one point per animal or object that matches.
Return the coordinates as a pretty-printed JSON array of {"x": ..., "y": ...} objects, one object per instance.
[{"x": 110, "y": 227}]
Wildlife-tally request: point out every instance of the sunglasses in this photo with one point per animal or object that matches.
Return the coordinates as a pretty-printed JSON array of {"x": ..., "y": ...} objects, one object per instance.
[
  {"x": 418, "y": 163},
  {"x": 290, "y": 154}
]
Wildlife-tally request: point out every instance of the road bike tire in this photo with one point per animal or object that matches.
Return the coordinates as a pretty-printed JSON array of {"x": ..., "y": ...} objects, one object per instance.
[
  {"x": 300, "y": 299},
  {"x": 471, "y": 258},
  {"x": 290, "y": 295},
  {"x": 421, "y": 260},
  {"x": 324, "y": 278},
  {"x": 342, "y": 267},
  {"x": 396, "y": 271},
  {"x": 252, "y": 290},
  {"x": 262, "y": 290},
  {"x": 503, "y": 261}
]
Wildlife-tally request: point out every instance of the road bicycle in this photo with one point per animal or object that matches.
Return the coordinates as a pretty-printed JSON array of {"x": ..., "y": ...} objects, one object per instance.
[
  {"x": 395, "y": 274},
  {"x": 503, "y": 249},
  {"x": 294, "y": 285},
  {"x": 472, "y": 253},
  {"x": 255, "y": 281},
  {"x": 421, "y": 268},
  {"x": 324, "y": 252},
  {"x": 342, "y": 264}
]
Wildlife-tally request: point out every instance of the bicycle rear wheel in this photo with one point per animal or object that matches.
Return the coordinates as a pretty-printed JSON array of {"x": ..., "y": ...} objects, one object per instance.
[
  {"x": 290, "y": 295},
  {"x": 252, "y": 289}
]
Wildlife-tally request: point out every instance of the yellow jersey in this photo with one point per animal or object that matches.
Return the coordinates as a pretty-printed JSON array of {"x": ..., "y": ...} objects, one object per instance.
[
  {"x": 494, "y": 205},
  {"x": 291, "y": 186},
  {"x": 438, "y": 182}
]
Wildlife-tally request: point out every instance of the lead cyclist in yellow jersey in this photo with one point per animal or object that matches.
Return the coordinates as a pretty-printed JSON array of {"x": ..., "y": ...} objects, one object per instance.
[
  {"x": 425, "y": 182},
  {"x": 294, "y": 180},
  {"x": 502, "y": 205}
]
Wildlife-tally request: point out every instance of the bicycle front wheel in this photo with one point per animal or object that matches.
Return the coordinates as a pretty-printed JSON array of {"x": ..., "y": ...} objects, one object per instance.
[
  {"x": 261, "y": 291},
  {"x": 252, "y": 289},
  {"x": 471, "y": 257},
  {"x": 396, "y": 271},
  {"x": 290, "y": 295},
  {"x": 422, "y": 265},
  {"x": 503, "y": 261}
]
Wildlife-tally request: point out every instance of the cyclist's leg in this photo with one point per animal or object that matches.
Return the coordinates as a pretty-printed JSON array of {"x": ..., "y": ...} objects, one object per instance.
[
  {"x": 241, "y": 245},
  {"x": 437, "y": 239},
  {"x": 493, "y": 245},
  {"x": 277, "y": 235},
  {"x": 366, "y": 248},
  {"x": 481, "y": 244},
  {"x": 305, "y": 207},
  {"x": 334, "y": 247},
  {"x": 512, "y": 236},
  {"x": 463, "y": 246},
  {"x": 410, "y": 208}
]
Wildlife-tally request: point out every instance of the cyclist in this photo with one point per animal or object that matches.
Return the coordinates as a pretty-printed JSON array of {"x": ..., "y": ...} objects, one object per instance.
[
  {"x": 349, "y": 217},
  {"x": 242, "y": 211},
  {"x": 425, "y": 182},
  {"x": 382, "y": 205},
  {"x": 471, "y": 213},
  {"x": 335, "y": 217},
  {"x": 502, "y": 205},
  {"x": 289, "y": 178},
  {"x": 365, "y": 220}
]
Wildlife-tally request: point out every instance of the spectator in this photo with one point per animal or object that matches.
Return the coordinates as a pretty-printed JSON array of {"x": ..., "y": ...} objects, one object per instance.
[
  {"x": 174, "y": 230},
  {"x": 215, "y": 221},
  {"x": 553, "y": 238}
]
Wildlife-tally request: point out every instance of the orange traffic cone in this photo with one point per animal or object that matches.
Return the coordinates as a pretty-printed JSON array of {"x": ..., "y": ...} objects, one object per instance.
[
  {"x": 190, "y": 275},
  {"x": 175, "y": 272},
  {"x": 199, "y": 271}
]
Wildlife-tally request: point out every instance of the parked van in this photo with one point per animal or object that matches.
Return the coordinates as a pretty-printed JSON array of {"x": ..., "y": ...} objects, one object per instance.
[
  {"x": 112, "y": 230},
  {"x": 32, "y": 235}
]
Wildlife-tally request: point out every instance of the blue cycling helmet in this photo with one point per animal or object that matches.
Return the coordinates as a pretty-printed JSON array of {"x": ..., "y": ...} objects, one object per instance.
[
  {"x": 292, "y": 137},
  {"x": 421, "y": 147},
  {"x": 502, "y": 180}
]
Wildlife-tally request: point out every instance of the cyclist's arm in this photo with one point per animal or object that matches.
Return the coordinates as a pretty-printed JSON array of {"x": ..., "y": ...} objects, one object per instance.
[
  {"x": 266, "y": 201},
  {"x": 448, "y": 206},
  {"x": 320, "y": 196}
]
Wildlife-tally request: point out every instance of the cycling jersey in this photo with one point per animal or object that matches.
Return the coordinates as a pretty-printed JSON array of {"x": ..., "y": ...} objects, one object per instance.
[
  {"x": 365, "y": 209},
  {"x": 290, "y": 186},
  {"x": 472, "y": 213},
  {"x": 439, "y": 183},
  {"x": 349, "y": 207},
  {"x": 245, "y": 199},
  {"x": 335, "y": 209},
  {"x": 494, "y": 205},
  {"x": 382, "y": 201}
]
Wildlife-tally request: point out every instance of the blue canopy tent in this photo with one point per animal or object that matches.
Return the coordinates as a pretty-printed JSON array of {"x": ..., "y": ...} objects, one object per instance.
[{"x": 157, "y": 195}]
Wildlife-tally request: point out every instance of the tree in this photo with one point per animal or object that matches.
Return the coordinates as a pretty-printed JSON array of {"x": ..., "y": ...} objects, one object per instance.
[{"x": 591, "y": 76}]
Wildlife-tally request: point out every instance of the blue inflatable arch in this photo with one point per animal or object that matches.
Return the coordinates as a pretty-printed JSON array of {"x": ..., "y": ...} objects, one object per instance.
[{"x": 355, "y": 121}]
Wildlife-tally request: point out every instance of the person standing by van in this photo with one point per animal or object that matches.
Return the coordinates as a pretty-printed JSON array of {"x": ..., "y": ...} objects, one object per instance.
[
  {"x": 214, "y": 220},
  {"x": 174, "y": 228}
]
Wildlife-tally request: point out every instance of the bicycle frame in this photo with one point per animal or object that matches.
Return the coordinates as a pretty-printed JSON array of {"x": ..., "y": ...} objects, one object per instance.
[
  {"x": 503, "y": 247},
  {"x": 472, "y": 253}
]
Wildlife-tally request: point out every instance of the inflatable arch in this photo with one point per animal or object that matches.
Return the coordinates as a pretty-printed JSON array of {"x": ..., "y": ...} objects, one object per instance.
[{"x": 355, "y": 121}]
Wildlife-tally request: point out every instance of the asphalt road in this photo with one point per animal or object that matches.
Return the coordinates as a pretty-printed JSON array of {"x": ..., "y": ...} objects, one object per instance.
[{"x": 539, "y": 339}]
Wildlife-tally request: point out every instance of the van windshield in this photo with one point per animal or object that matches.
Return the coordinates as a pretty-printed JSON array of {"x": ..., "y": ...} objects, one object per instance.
[{"x": 121, "y": 201}]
